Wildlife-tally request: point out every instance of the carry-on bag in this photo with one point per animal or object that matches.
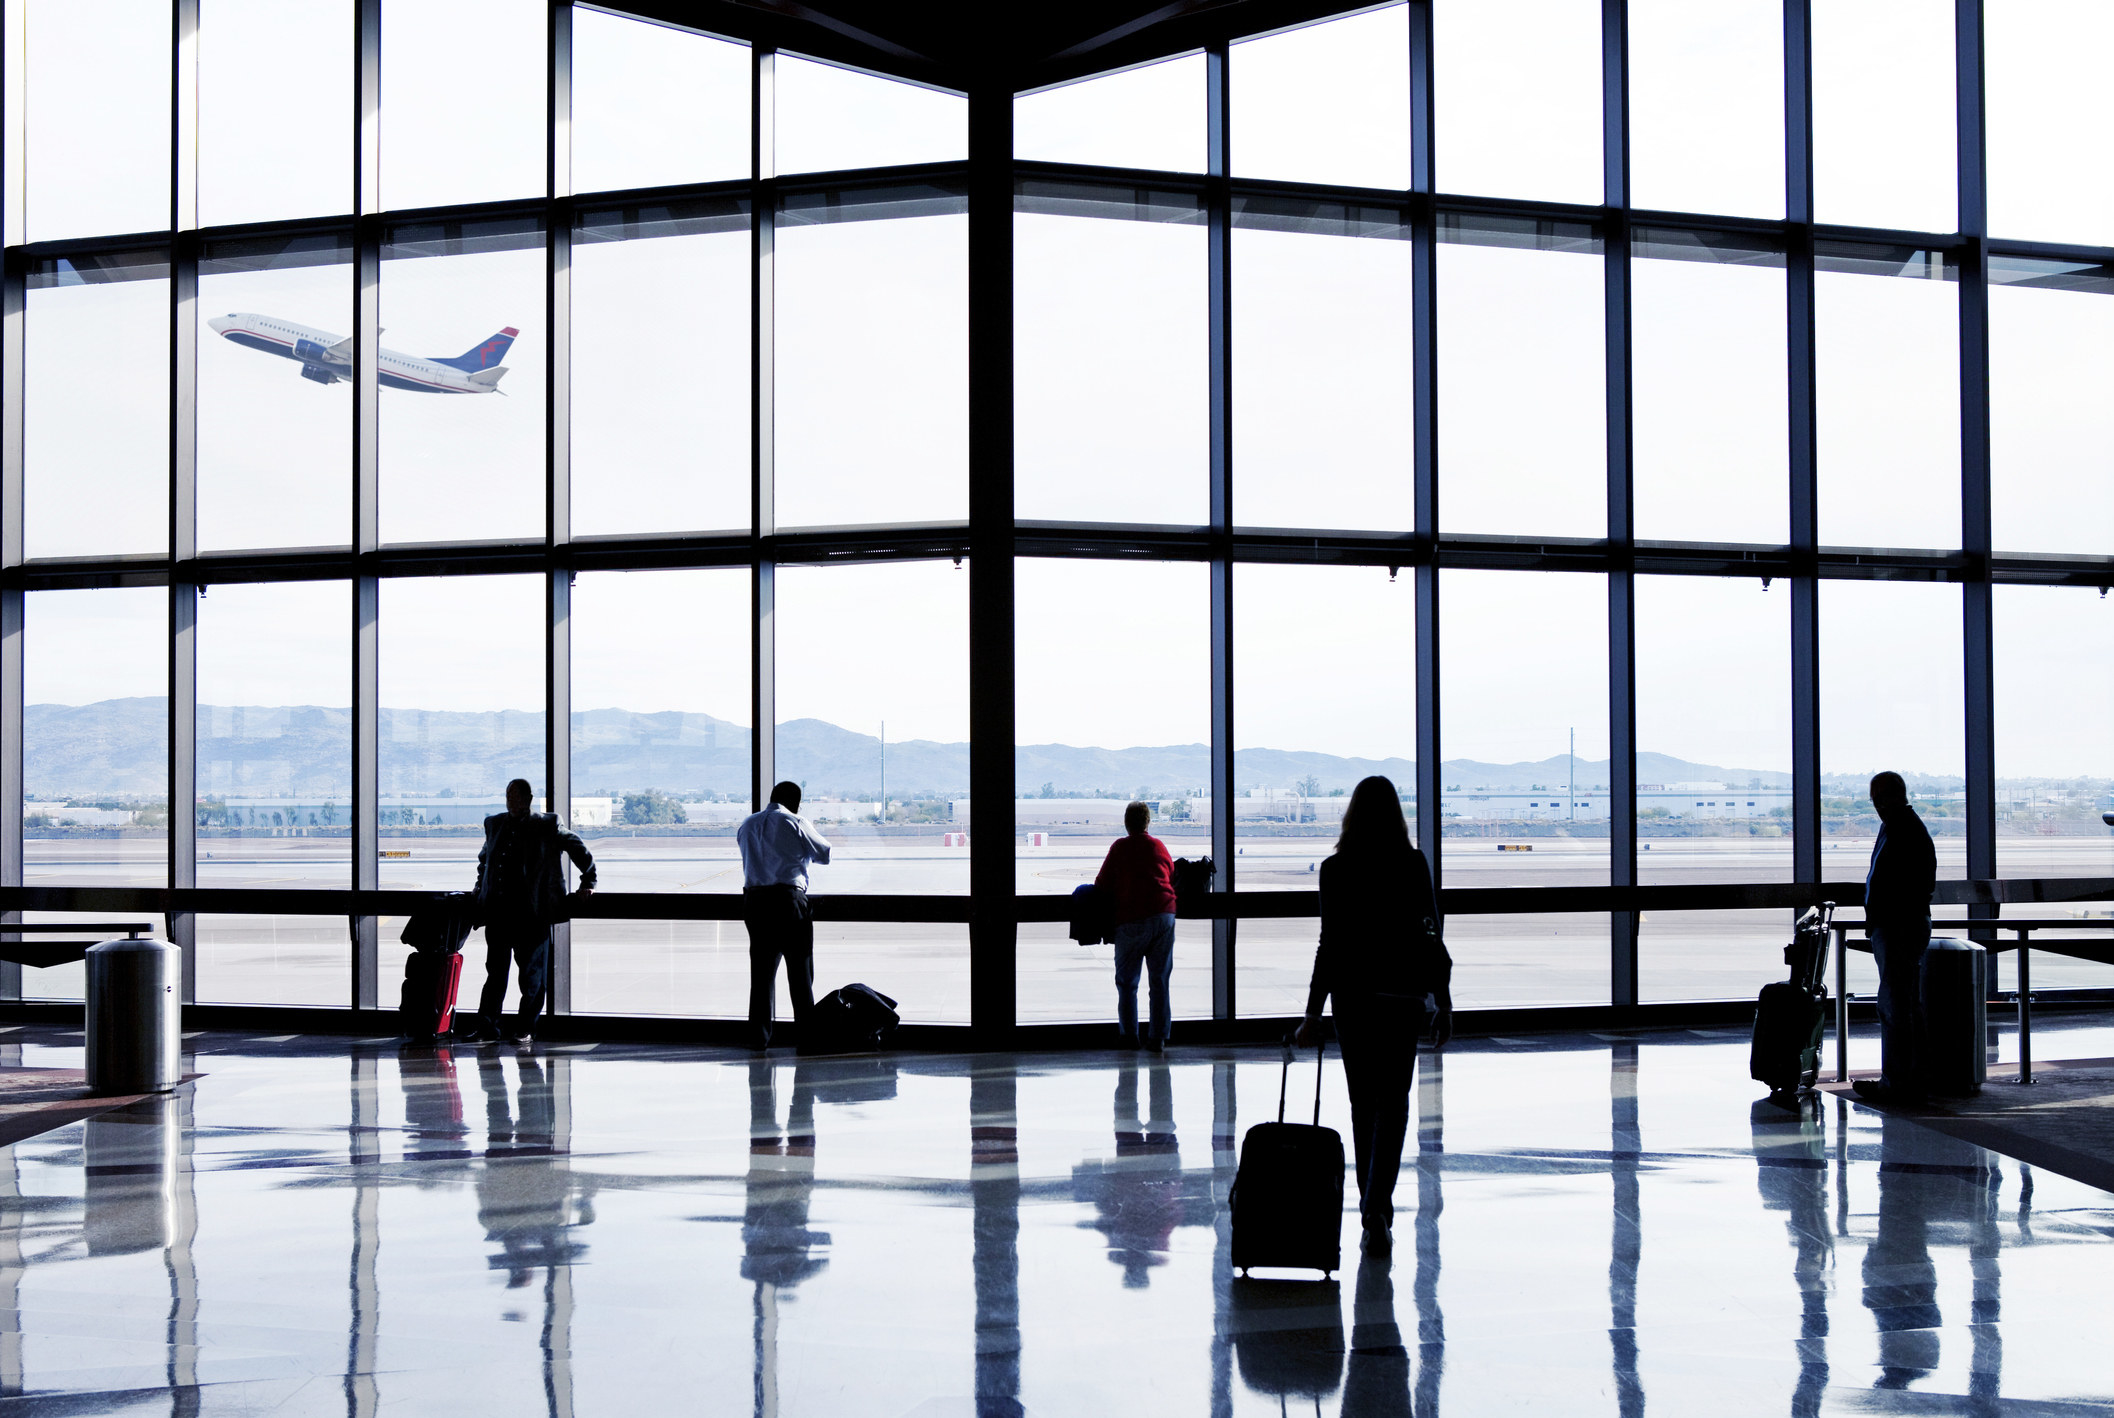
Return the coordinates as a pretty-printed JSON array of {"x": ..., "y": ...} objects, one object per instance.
[
  {"x": 1790, "y": 1017},
  {"x": 1953, "y": 988},
  {"x": 1287, "y": 1197},
  {"x": 855, "y": 1017},
  {"x": 427, "y": 1005}
]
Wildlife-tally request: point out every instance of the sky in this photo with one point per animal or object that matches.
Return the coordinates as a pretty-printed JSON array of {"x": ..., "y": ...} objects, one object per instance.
[{"x": 871, "y": 378}]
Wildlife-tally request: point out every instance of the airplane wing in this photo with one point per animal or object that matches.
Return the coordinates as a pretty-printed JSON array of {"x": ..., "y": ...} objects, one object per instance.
[{"x": 488, "y": 378}]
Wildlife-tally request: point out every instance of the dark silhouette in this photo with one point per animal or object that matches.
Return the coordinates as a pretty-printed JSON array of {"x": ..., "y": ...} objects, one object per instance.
[
  {"x": 1382, "y": 959},
  {"x": 777, "y": 1245},
  {"x": 525, "y": 1197},
  {"x": 1791, "y": 1166},
  {"x": 776, "y": 846},
  {"x": 1376, "y": 1373},
  {"x": 1139, "y": 875},
  {"x": 994, "y": 1199},
  {"x": 520, "y": 895},
  {"x": 1140, "y": 1197},
  {"x": 1897, "y": 897}
]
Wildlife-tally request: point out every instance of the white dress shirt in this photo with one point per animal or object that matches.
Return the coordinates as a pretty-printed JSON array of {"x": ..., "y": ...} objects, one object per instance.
[{"x": 776, "y": 847}]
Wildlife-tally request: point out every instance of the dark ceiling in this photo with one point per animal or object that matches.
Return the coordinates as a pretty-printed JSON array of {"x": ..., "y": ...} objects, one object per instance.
[{"x": 1010, "y": 46}]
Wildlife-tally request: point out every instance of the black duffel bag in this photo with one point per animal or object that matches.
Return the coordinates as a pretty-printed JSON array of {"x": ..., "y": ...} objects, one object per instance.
[
  {"x": 855, "y": 1017},
  {"x": 441, "y": 928}
]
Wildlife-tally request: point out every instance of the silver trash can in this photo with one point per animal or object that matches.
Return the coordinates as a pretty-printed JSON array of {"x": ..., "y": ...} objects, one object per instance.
[{"x": 135, "y": 1018}]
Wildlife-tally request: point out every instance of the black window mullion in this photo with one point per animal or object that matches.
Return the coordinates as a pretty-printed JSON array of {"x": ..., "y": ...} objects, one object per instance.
[
  {"x": 366, "y": 501},
  {"x": 1219, "y": 325},
  {"x": 1803, "y": 447},
  {"x": 182, "y": 629},
  {"x": 1976, "y": 535},
  {"x": 557, "y": 466},
  {"x": 1621, "y": 576},
  {"x": 1424, "y": 418}
]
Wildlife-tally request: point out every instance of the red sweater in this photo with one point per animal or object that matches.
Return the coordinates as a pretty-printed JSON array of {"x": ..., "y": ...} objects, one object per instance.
[{"x": 1140, "y": 875}]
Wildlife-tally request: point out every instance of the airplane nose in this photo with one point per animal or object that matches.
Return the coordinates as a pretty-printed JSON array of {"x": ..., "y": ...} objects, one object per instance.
[{"x": 220, "y": 323}]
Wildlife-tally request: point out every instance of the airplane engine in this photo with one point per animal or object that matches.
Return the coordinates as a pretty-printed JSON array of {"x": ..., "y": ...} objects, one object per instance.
[
  {"x": 318, "y": 373},
  {"x": 311, "y": 353}
]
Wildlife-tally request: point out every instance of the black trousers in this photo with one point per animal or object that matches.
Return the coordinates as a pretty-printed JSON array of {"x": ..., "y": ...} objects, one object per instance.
[
  {"x": 781, "y": 925},
  {"x": 1897, "y": 949},
  {"x": 528, "y": 944},
  {"x": 1379, "y": 1043}
]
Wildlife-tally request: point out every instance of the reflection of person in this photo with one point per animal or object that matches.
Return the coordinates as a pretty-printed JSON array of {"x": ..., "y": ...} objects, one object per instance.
[
  {"x": 776, "y": 846},
  {"x": 1139, "y": 875},
  {"x": 1897, "y": 897},
  {"x": 523, "y": 1203},
  {"x": 520, "y": 895},
  {"x": 1900, "y": 1281},
  {"x": 1382, "y": 961},
  {"x": 1376, "y": 1375},
  {"x": 1791, "y": 1169},
  {"x": 1139, "y": 1199}
]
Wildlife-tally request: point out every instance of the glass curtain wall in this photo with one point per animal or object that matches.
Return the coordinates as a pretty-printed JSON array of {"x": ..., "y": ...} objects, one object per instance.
[{"x": 1511, "y": 487}]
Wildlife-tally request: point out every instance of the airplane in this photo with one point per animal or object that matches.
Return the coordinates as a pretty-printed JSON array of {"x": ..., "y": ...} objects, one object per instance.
[{"x": 327, "y": 359}]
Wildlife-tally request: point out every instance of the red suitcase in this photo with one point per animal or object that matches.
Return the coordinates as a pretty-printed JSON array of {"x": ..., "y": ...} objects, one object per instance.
[{"x": 427, "y": 1005}]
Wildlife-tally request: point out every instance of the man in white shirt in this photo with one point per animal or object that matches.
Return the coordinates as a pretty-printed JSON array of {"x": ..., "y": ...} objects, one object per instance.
[{"x": 776, "y": 846}]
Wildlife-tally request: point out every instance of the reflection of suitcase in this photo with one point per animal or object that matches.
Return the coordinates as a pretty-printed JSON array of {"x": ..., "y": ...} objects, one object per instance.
[
  {"x": 1791, "y": 1016},
  {"x": 1288, "y": 1194},
  {"x": 427, "y": 1005}
]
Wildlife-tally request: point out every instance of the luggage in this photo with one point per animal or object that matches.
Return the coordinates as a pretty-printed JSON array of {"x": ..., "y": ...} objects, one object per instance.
[
  {"x": 1953, "y": 987},
  {"x": 1192, "y": 883},
  {"x": 1791, "y": 1015},
  {"x": 427, "y": 1005},
  {"x": 1287, "y": 1197},
  {"x": 443, "y": 926},
  {"x": 855, "y": 1017},
  {"x": 1093, "y": 917}
]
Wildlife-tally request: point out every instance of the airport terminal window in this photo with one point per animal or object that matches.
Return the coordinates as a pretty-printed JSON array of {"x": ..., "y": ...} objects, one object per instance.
[
  {"x": 873, "y": 719},
  {"x": 660, "y": 726},
  {"x": 1521, "y": 325},
  {"x": 1110, "y": 383},
  {"x": 1518, "y": 94},
  {"x": 1707, "y": 106},
  {"x": 2049, "y": 424},
  {"x": 1327, "y": 102},
  {"x": 462, "y": 310},
  {"x": 655, "y": 105},
  {"x": 275, "y": 393},
  {"x": 296, "y": 960},
  {"x": 830, "y": 118},
  {"x": 1321, "y": 366},
  {"x": 1709, "y": 454},
  {"x": 452, "y": 133},
  {"x": 2052, "y": 748},
  {"x": 95, "y": 451},
  {"x": 91, "y": 166},
  {"x": 1887, "y": 402},
  {"x": 1148, "y": 117},
  {"x": 274, "y": 735},
  {"x": 95, "y": 737},
  {"x": 2042, "y": 63},
  {"x": 872, "y": 342},
  {"x": 252, "y": 167},
  {"x": 661, "y": 397},
  {"x": 1883, "y": 69}
]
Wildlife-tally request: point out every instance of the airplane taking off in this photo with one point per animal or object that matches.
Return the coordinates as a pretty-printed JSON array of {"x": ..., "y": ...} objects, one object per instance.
[{"x": 327, "y": 359}]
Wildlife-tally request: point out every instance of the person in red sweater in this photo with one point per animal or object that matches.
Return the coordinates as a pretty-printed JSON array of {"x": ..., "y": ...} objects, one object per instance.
[{"x": 1139, "y": 875}]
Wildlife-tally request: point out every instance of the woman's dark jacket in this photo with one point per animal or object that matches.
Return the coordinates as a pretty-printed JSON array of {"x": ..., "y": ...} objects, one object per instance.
[{"x": 1379, "y": 933}]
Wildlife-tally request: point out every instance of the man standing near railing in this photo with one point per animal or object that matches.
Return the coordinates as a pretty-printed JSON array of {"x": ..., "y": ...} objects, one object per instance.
[
  {"x": 777, "y": 845},
  {"x": 1897, "y": 899}
]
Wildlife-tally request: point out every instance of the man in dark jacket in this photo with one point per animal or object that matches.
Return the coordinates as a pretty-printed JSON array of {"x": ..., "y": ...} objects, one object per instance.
[
  {"x": 1897, "y": 897},
  {"x": 520, "y": 895}
]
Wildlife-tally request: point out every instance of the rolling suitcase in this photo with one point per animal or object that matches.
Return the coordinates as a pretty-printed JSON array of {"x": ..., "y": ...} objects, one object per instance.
[
  {"x": 427, "y": 1005},
  {"x": 1791, "y": 1016},
  {"x": 1953, "y": 986},
  {"x": 1287, "y": 1197}
]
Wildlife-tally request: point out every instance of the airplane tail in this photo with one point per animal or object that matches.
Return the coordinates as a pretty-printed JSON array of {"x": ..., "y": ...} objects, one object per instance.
[{"x": 483, "y": 355}]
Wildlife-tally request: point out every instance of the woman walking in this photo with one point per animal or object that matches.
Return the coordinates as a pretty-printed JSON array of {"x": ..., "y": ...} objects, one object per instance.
[{"x": 1382, "y": 960}]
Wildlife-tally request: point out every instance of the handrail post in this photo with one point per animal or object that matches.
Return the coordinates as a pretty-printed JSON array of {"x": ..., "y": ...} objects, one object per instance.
[
  {"x": 1842, "y": 1003},
  {"x": 2025, "y": 1009}
]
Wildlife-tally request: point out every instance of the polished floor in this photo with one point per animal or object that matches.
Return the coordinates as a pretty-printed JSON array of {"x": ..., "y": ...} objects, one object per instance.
[{"x": 1587, "y": 1225}]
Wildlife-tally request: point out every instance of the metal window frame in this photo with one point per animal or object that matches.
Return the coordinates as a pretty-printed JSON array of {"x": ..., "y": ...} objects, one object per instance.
[{"x": 993, "y": 539}]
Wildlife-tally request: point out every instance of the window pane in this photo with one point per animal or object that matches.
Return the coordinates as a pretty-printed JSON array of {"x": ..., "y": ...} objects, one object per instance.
[
  {"x": 1059, "y": 981},
  {"x": 653, "y": 105},
  {"x": 872, "y": 414},
  {"x": 462, "y": 662},
  {"x": 458, "y": 463},
  {"x": 1321, "y": 369},
  {"x": 2049, "y": 421},
  {"x": 95, "y": 737},
  {"x": 274, "y": 398},
  {"x": 2046, "y": 83},
  {"x": 1326, "y": 102},
  {"x": 255, "y": 171},
  {"x": 1707, "y": 106},
  {"x": 451, "y": 133},
  {"x": 1883, "y": 121},
  {"x": 96, "y": 450},
  {"x": 1521, "y": 315},
  {"x": 1887, "y": 364},
  {"x": 1325, "y": 693},
  {"x": 275, "y": 735},
  {"x": 1111, "y": 369},
  {"x": 1524, "y": 726},
  {"x": 660, "y": 731},
  {"x": 1151, "y": 116},
  {"x": 874, "y": 724},
  {"x": 2055, "y": 752},
  {"x": 1708, "y": 389},
  {"x": 1519, "y": 98},
  {"x": 831, "y": 118},
  {"x": 660, "y": 425},
  {"x": 1890, "y": 698},
  {"x": 305, "y": 960},
  {"x": 97, "y": 117},
  {"x": 1713, "y": 732},
  {"x": 1141, "y": 625},
  {"x": 1514, "y": 962},
  {"x": 1715, "y": 955}
]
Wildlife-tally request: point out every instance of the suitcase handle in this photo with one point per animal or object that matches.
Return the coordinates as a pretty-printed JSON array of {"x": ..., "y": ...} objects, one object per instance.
[{"x": 1284, "y": 1078}]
